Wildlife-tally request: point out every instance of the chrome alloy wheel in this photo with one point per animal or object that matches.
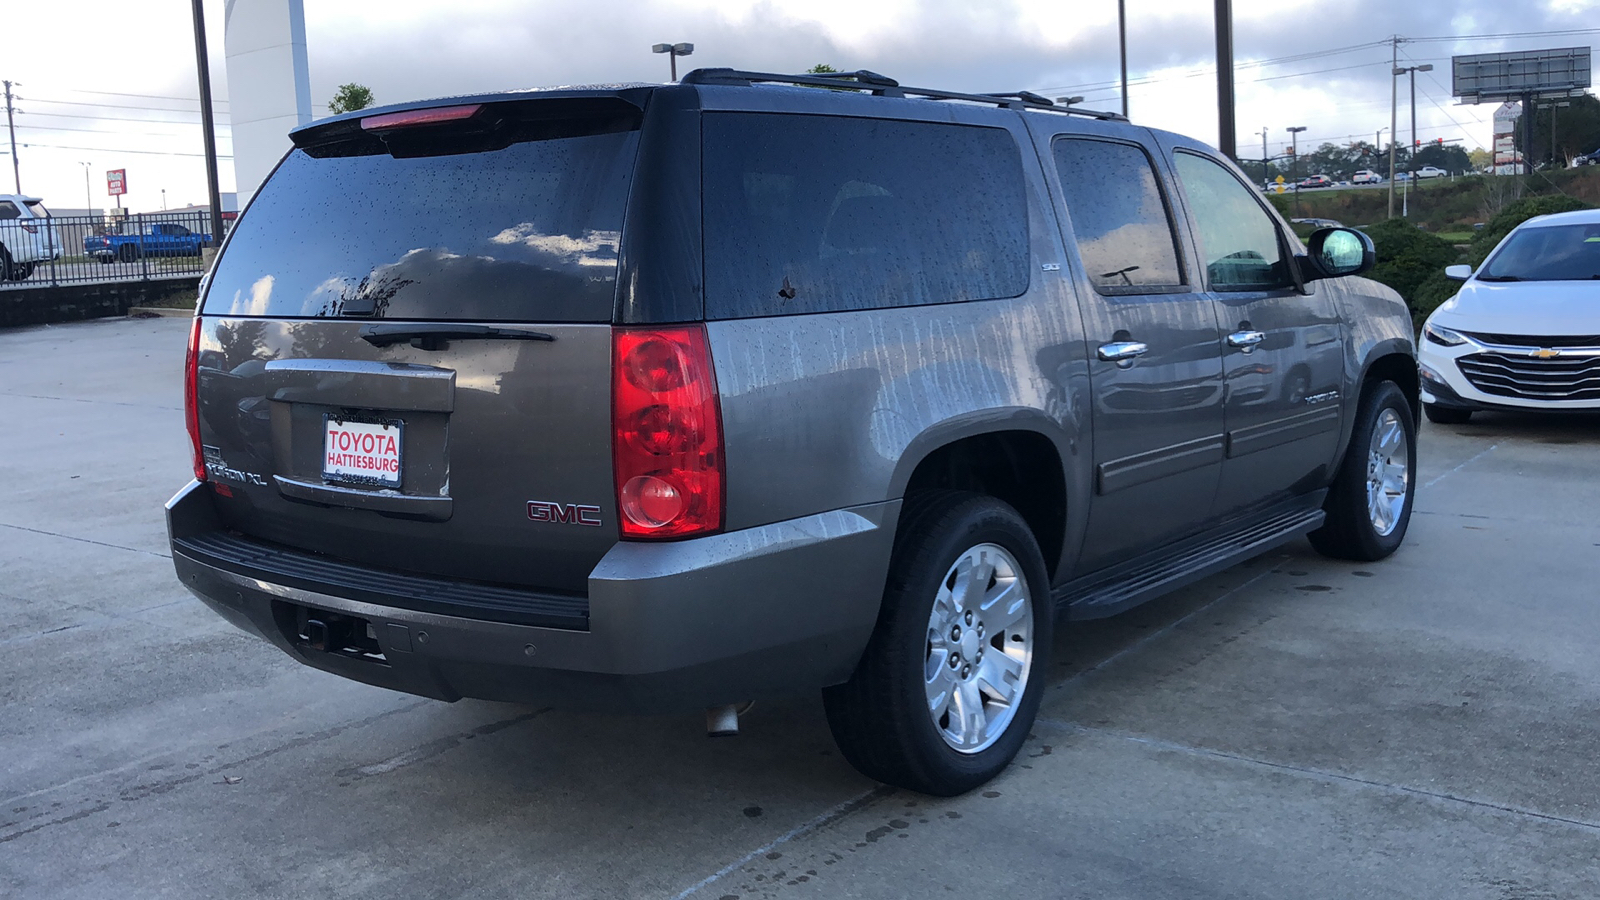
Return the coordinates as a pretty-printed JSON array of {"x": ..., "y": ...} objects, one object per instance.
[
  {"x": 980, "y": 648},
  {"x": 1388, "y": 473}
]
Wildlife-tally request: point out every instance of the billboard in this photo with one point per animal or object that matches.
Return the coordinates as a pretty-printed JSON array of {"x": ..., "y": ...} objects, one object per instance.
[
  {"x": 116, "y": 182},
  {"x": 1492, "y": 77}
]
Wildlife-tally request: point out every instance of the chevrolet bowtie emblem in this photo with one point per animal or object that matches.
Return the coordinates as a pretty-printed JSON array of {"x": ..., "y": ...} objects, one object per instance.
[{"x": 1546, "y": 353}]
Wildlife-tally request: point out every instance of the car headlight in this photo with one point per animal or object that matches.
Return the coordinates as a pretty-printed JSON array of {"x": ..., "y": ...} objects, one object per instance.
[{"x": 1441, "y": 335}]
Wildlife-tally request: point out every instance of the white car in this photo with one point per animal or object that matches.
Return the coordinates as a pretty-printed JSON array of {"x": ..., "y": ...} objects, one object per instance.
[
  {"x": 1366, "y": 176},
  {"x": 1524, "y": 330},
  {"x": 1431, "y": 172},
  {"x": 26, "y": 236}
]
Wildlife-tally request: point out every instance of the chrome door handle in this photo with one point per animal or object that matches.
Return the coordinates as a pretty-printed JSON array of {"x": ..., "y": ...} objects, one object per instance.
[
  {"x": 1122, "y": 352},
  {"x": 1246, "y": 340}
]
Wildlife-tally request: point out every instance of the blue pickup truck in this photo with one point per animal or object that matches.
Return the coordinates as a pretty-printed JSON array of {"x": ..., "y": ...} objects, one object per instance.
[{"x": 154, "y": 239}]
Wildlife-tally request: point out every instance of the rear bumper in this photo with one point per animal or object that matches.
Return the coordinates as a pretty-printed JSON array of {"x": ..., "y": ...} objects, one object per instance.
[{"x": 768, "y": 611}]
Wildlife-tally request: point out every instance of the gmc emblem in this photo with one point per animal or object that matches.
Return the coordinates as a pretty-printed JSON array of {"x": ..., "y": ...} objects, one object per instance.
[{"x": 563, "y": 513}]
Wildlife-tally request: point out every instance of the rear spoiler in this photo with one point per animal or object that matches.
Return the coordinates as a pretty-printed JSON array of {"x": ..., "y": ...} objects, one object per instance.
[{"x": 475, "y": 123}]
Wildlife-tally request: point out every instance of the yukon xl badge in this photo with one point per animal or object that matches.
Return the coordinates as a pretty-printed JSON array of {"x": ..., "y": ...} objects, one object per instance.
[{"x": 563, "y": 513}]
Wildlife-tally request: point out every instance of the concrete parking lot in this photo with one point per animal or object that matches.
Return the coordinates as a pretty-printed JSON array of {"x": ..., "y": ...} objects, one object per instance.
[{"x": 1292, "y": 728}]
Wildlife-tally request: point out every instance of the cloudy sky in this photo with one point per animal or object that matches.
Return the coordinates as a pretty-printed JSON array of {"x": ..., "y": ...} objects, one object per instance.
[{"x": 112, "y": 84}]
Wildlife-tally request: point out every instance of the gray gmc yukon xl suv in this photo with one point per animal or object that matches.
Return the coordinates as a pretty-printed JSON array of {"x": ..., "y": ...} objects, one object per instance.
[{"x": 651, "y": 398}]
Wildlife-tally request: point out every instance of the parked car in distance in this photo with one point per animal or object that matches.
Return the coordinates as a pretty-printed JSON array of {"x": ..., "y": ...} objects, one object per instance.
[
  {"x": 1366, "y": 176},
  {"x": 1317, "y": 181},
  {"x": 27, "y": 236},
  {"x": 152, "y": 239},
  {"x": 1524, "y": 330},
  {"x": 1431, "y": 172},
  {"x": 925, "y": 379},
  {"x": 1587, "y": 159},
  {"x": 1318, "y": 223}
]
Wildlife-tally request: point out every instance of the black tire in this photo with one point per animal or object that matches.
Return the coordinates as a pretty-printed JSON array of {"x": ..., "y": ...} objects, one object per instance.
[
  {"x": 1349, "y": 531},
  {"x": 127, "y": 253},
  {"x": 22, "y": 271},
  {"x": 1446, "y": 415},
  {"x": 5, "y": 265},
  {"x": 880, "y": 717}
]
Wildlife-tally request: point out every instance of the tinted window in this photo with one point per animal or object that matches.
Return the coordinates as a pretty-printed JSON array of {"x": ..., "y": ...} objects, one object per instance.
[
  {"x": 1547, "y": 253},
  {"x": 528, "y": 232},
  {"x": 1238, "y": 240},
  {"x": 819, "y": 213},
  {"x": 8, "y": 210},
  {"x": 1118, "y": 215}
]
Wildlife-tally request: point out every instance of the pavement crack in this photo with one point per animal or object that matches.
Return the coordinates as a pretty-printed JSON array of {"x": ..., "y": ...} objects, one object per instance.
[
  {"x": 434, "y": 747},
  {"x": 90, "y": 400},
  {"x": 80, "y": 814},
  {"x": 83, "y": 540},
  {"x": 1319, "y": 774},
  {"x": 842, "y": 811}
]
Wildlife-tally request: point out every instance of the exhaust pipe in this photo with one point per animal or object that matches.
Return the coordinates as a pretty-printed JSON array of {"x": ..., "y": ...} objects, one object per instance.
[{"x": 723, "y": 721}]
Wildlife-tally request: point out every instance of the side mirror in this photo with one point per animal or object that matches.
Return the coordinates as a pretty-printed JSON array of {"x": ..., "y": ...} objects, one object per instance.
[
  {"x": 1458, "y": 273},
  {"x": 1336, "y": 252}
]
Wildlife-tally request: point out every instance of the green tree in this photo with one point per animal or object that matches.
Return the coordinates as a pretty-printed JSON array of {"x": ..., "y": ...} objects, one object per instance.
[
  {"x": 349, "y": 98},
  {"x": 821, "y": 69},
  {"x": 1577, "y": 131},
  {"x": 1407, "y": 257}
]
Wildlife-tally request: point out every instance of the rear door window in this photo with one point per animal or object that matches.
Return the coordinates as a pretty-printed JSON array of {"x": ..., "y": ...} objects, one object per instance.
[
  {"x": 809, "y": 214},
  {"x": 524, "y": 233},
  {"x": 8, "y": 210},
  {"x": 1119, "y": 216}
]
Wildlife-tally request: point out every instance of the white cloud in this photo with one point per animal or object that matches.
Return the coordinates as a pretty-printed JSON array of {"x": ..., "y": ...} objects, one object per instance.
[{"x": 409, "y": 49}]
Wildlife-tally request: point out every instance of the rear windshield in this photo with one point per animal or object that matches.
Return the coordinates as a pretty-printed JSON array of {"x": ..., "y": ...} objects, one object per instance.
[
  {"x": 38, "y": 209},
  {"x": 808, "y": 214},
  {"x": 1548, "y": 253},
  {"x": 524, "y": 233}
]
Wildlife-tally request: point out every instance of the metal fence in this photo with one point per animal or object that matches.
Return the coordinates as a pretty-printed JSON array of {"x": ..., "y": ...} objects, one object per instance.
[{"x": 84, "y": 249}]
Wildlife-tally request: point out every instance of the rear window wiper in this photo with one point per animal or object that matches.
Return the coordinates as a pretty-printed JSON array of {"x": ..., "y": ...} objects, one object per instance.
[{"x": 435, "y": 337}]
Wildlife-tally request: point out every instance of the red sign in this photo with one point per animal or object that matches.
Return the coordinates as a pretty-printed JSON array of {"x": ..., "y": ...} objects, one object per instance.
[{"x": 116, "y": 182}]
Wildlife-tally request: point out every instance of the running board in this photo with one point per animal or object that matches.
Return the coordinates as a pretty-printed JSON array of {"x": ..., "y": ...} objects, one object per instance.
[{"x": 1126, "y": 585}]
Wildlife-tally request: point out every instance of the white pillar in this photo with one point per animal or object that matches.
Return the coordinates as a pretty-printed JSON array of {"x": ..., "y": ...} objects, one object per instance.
[{"x": 269, "y": 84}]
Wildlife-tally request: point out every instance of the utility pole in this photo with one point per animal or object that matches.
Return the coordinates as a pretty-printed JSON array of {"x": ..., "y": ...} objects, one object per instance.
[
  {"x": 1122, "y": 51},
  {"x": 1294, "y": 163},
  {"x": 1225, "y": 121},
  {"x": 1394, "y": 114},
  {"x": 11, "y": 125},
  {"x": 207, "y": 123},
  {"x": 1266, "y": 174},
  {"x": 88, "y": 196}
]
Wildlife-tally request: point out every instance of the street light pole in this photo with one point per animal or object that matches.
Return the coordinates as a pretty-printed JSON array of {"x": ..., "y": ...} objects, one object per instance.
[
  {"x": 208, "y": 125},
  {"x": 673, "y": 51},
  {"x": 1411, "y": 161},
  {"x": 1225, "y": 120},
  {"x": 1294, "y": 162},
  {"x": 88, "y": 196},
  {"x": 1122, "y": 51}
]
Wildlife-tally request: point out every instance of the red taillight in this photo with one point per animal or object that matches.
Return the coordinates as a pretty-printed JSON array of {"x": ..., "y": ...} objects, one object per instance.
[
  {"x": 667, "y": 433},
  {"x": 191, "y": 400},
  {"x": 420, "y": 117}
]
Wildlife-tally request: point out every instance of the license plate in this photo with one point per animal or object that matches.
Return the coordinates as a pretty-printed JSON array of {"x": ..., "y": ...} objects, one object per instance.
[{"x": 361, "y": 452}]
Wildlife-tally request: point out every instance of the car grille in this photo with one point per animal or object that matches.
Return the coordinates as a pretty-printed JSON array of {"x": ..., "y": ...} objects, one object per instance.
[
  {"x": 1531, "y": 378},
  {"x": 1536, "y": 340}
]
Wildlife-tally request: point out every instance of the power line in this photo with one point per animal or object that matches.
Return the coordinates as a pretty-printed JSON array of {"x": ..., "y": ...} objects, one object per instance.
[
  {"x": 147, "y": 96},
  {"x": 125, "y": 106},
  {"x": 118, "y": 150}
]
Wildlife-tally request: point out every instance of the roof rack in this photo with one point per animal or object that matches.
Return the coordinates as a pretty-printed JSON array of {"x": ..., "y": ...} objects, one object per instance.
[{"x": 884, "y": 86}]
